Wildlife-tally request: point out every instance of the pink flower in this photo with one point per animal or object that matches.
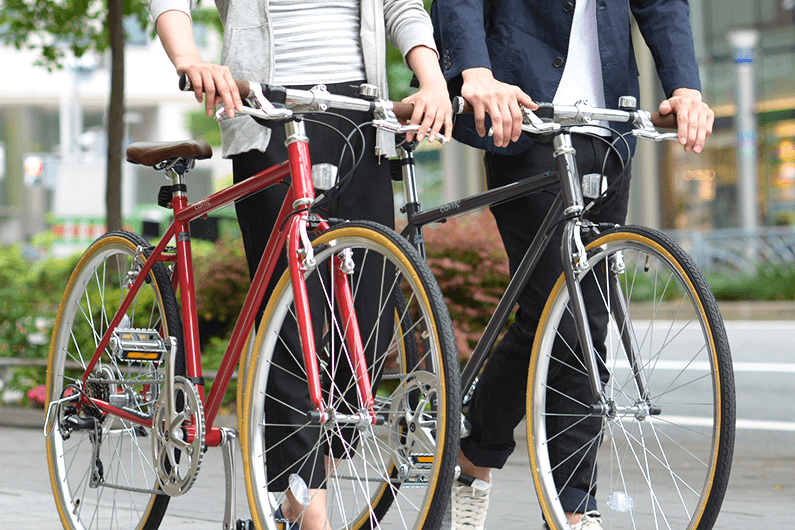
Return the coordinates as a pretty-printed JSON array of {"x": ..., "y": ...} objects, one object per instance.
[{"x": 37, "y": 395}]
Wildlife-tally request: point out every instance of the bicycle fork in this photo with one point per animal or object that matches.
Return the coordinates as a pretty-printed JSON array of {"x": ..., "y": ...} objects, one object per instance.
[
  {"x": 575, "y": 262},
  {"x": 300, "y": 257}
]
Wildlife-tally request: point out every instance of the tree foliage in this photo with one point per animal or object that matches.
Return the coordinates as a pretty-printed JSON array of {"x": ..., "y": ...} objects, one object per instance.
[{"x": 54, "y": 28}]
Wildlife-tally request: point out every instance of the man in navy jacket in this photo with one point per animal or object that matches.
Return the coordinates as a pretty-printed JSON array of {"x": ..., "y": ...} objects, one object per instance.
[{"x": 502, "y": 53}]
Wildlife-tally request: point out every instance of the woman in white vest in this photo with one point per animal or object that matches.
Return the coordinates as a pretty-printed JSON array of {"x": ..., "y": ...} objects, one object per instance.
[{"x": 302, "y": 43}]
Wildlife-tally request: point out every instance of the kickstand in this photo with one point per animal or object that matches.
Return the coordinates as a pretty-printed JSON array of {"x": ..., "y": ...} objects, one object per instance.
[{"x": 228, "y": 449}]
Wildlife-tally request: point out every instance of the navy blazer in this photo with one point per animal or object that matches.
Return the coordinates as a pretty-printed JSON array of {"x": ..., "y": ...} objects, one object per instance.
[{"x": 525, "y": 43}]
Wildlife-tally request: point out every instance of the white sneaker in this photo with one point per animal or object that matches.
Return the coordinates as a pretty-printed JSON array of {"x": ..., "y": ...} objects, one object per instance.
[
  {"x": 470, "y": 504},
  {"x": 590, "y": 521}
]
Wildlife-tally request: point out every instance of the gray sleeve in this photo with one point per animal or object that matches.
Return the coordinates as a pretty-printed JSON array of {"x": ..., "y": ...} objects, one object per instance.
[
  {"x": 408, "y": 25},
  {"x": 158, "y": 7}
]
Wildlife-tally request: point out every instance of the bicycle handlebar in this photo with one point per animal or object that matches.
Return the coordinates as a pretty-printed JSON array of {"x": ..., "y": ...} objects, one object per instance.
[
  {"x": 552, "y": 117},
  {"x": 548, "y": 118},
  {"x": 315, "y": 99}
]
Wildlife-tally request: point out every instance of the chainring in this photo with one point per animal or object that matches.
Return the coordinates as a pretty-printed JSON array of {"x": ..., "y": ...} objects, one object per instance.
[{"x": 178, "y": 438}]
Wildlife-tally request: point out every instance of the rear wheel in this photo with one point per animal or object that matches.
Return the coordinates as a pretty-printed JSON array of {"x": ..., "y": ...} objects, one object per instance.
[
  {"x": 398, "y": 472},
  {"x": 101, "y": 469},
  {"x": 663, "y": 455}
]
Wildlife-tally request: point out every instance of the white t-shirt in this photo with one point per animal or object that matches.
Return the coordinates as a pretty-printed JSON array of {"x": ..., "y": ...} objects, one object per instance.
[
  {"x": 316, "y": 41},
  {"x": 582, "y": 74}
]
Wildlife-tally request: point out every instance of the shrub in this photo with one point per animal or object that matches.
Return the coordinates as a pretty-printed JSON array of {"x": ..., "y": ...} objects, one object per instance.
[
  {"x": 769, "y": 282},
  {"x": 30, "y": 292},
  {"x": 222, "y": 281}
]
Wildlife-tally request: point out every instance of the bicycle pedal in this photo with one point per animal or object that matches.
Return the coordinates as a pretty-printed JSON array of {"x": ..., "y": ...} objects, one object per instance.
[
  {"x": 422, "y": 461},
  {"x": 142, "y": 345},
  {"x": 244, "y": 524}
]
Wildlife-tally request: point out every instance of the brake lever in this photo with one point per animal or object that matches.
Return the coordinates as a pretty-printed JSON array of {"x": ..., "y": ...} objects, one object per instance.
[
  {"x": 654, "y": 135},
  {"x": 398, "y": 128},
  {"x": 262, "y": 113}
]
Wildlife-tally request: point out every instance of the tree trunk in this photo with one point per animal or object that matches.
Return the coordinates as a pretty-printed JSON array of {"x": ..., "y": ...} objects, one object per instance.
[{"x": 115, "y": 115}]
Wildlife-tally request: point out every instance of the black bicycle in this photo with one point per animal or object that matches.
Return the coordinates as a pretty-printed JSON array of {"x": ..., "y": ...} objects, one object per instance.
[{"x": 666, "y": 395}]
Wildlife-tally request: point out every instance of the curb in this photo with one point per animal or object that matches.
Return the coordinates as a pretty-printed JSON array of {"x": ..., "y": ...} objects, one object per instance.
[
  {"x": 22, "y": 417},
  {"x": 784, "y": 310}
]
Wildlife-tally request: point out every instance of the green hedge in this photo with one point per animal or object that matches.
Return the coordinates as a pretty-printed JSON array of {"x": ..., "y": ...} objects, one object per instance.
[{"x": 465, "y": 254}]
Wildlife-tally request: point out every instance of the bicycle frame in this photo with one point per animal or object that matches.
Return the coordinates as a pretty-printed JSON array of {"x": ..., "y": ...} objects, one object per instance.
[
  {"x": 290, "y": 231},
  {"x": 568, "y": 204}
]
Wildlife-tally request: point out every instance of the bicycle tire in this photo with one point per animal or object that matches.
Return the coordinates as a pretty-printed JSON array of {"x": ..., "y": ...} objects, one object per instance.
[
  {"x": 655, "y": 468},
  {"x": 91, "y": 298},
  {"x": 417, "y": 394}
]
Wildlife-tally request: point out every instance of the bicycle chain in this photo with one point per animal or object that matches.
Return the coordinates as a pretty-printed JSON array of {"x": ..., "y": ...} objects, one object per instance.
[
  {"x": 129, "y": 381},
  {"x": 131, "y": 489}
]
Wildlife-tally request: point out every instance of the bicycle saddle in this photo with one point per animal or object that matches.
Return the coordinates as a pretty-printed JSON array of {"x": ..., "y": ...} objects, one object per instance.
[{"x": 153, "y": 153}]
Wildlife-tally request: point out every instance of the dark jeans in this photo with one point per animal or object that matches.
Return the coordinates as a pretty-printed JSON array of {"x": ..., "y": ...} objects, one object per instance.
[
  {"x": 367, "y": 197},
  {"x": 498, "y": 404}
]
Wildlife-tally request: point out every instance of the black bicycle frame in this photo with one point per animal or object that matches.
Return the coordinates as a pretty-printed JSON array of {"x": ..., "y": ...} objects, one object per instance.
[{"x": 417, "y": 219}]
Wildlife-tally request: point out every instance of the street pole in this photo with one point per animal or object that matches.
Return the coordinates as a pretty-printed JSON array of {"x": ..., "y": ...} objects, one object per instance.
[{"x": 743, "y": 42}]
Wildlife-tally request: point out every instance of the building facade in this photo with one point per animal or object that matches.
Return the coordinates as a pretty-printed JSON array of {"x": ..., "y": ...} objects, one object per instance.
[
  {"x": 704, "y": 192},
  {"x": 59, "y": 118}
]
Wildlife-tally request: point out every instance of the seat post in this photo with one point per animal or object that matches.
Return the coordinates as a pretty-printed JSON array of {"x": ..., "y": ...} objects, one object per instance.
[{"x": 178, "y": 186}]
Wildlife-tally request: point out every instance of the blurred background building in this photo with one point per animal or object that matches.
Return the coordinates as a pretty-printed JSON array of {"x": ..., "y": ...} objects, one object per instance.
[
  {"x": 53, "y": 138},
  {"x": 705, "y": 191},
  {"x": 52, "y": 133}
]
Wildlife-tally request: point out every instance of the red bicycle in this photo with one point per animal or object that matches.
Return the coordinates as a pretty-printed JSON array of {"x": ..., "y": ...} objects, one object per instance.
[{"x": 129, "y": 419}]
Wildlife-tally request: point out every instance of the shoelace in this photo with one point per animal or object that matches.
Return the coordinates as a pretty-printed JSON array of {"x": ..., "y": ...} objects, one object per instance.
[
  {"x": 469, "y": 507},
  {"x": 590, "y": 521}
]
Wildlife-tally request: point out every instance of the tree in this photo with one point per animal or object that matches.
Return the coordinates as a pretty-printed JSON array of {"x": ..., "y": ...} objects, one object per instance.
[{"x": 55, "y": 28}]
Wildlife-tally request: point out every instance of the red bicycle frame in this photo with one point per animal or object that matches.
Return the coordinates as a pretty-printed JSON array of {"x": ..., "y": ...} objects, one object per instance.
[{"x": 289, "y": 230}]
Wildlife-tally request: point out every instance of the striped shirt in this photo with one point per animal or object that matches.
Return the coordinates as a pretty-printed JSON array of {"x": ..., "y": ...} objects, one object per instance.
[{"x": 316, "y": 41}]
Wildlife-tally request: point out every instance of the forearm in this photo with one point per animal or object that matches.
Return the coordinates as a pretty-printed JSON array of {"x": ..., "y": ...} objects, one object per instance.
[
  {"x": 175, "y": 30},
  {"x": 424, "y": 63}
]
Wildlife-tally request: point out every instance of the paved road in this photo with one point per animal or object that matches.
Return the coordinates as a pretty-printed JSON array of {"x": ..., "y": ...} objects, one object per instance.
[{"x": 761, "y": 493}]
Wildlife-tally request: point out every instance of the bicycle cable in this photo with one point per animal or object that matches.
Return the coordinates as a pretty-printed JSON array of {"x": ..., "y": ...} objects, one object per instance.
[
  {"x": 602, "y": 201},
  {"x": 326, "y": 197},
  {"x": 342, "y": 182}
]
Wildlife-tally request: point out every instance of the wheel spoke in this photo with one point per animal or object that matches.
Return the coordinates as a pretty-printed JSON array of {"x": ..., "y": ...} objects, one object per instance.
[
  {"x": 655, "y": 467},
  {"x": 373, "y": 474},
  {"x": 123, "y": 495}
]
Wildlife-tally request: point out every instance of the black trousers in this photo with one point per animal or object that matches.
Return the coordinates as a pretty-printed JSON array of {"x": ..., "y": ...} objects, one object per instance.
[
  {"x": 498, "y": 404},
  {"x": 367, "y": 197}
]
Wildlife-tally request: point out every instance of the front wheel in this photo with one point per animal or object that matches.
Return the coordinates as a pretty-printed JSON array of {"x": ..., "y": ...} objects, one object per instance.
[
  {"x": 663, "y": 446},
  {"x": 396, "y": 473}
]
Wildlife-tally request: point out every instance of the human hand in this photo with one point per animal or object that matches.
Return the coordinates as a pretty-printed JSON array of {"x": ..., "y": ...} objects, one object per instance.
[
  {"x": 433, "y": 112},
  {"x": 216, "y": 82},
  {"x": 694, "y": 118},
  {"x": 497, "y": 99}
]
